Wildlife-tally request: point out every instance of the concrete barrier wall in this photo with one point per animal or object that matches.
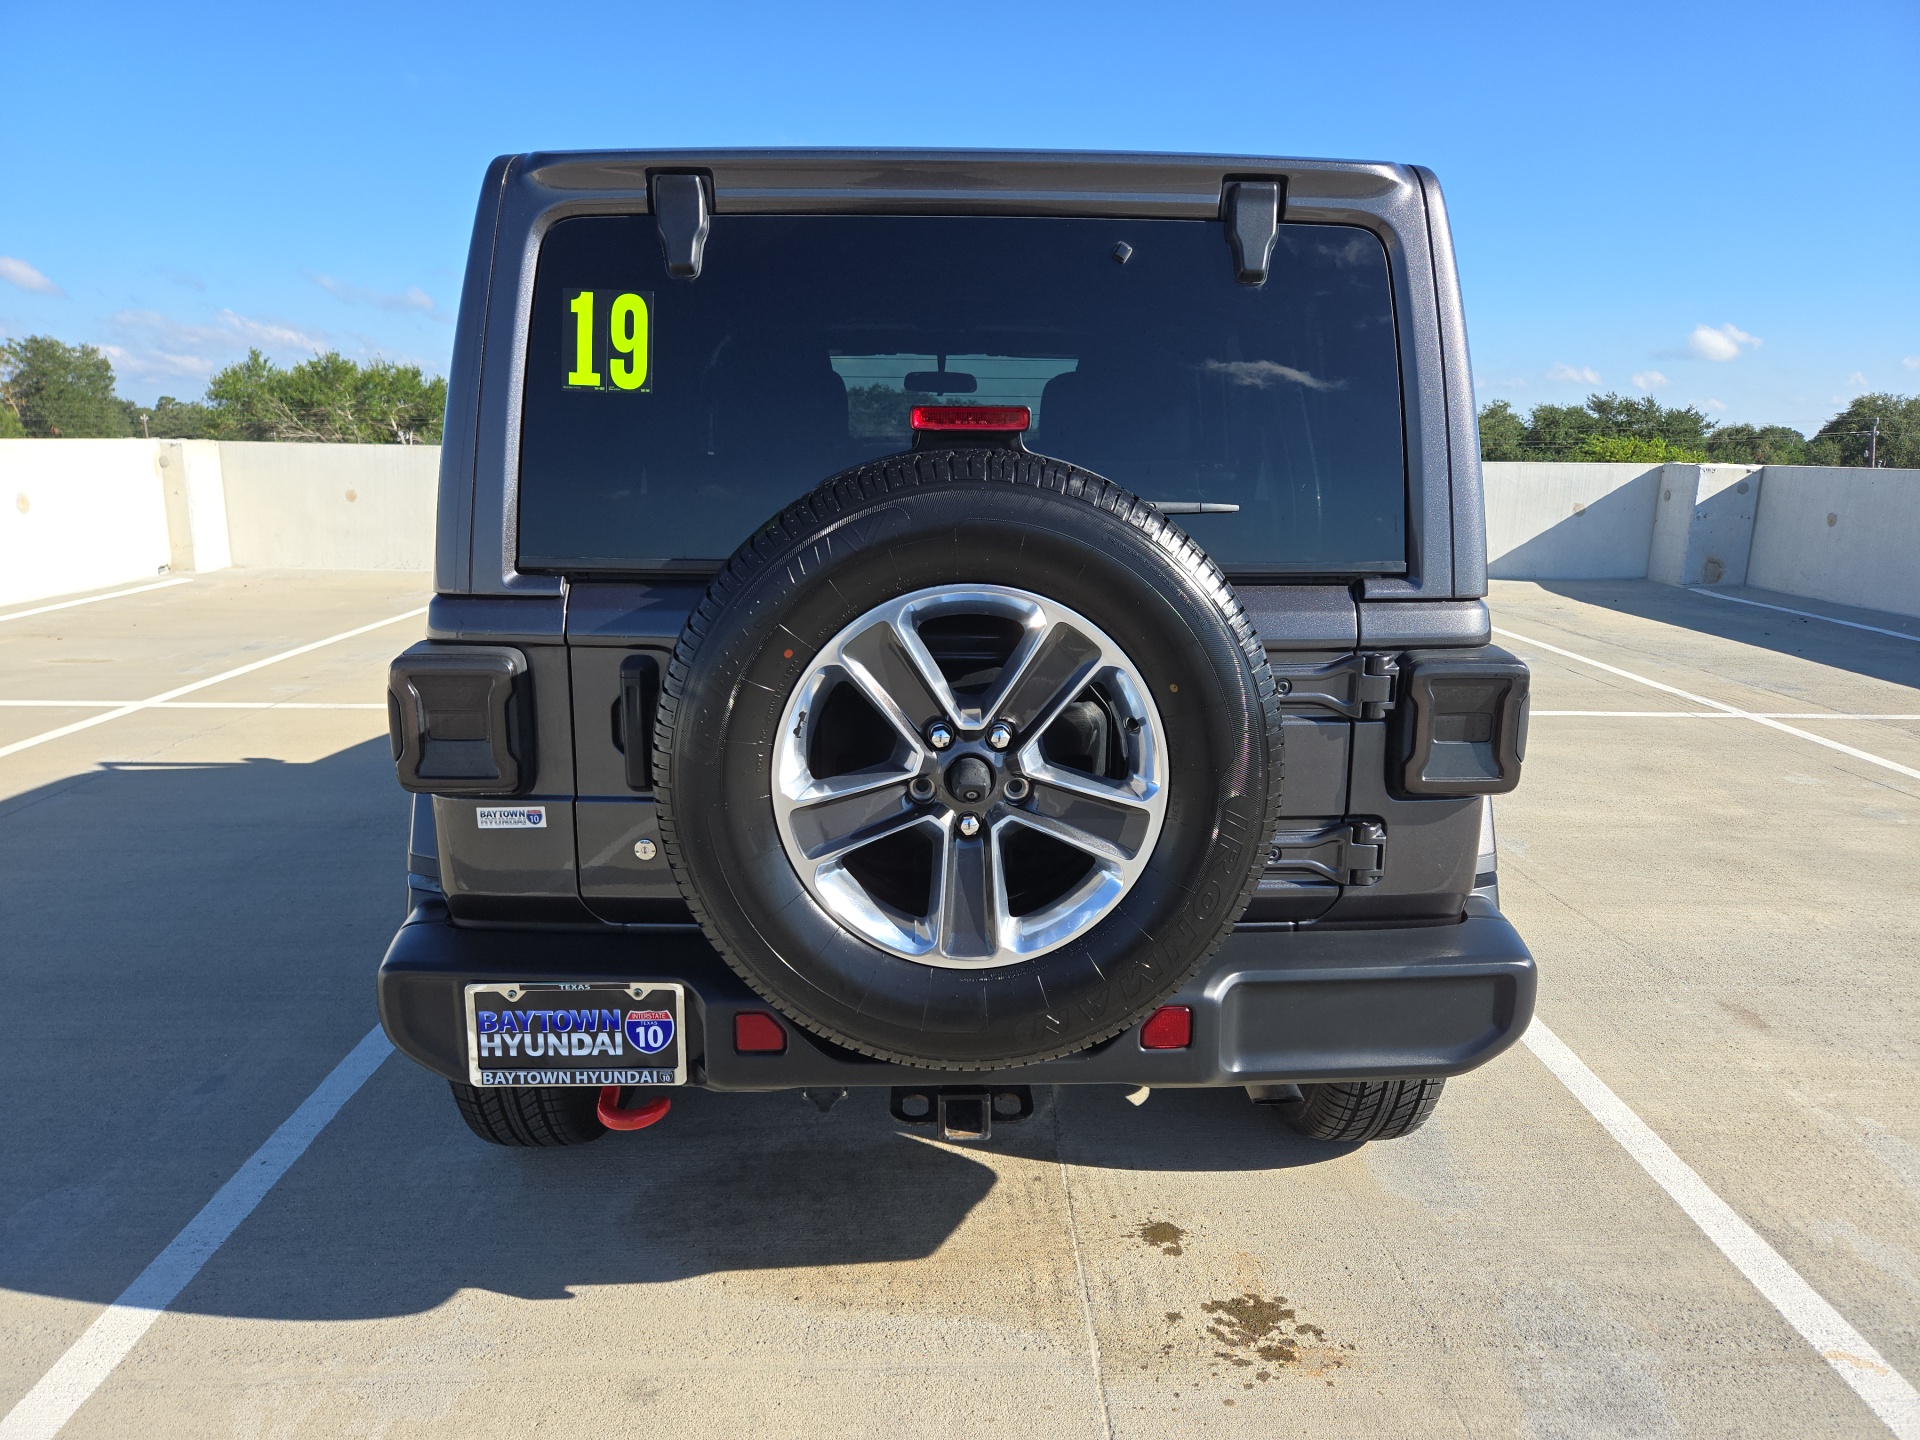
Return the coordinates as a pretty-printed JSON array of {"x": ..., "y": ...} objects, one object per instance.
[
  {"x": 79, "y": 515},
  {"x": 85, "y": 514},
  {"x": 1569, "y": 522},
  {"x": 1703, "y": 524},
  {"x": 1843, "y": 534},
  {"x": 1840, "y": 533},
  {"x": 330, "y": 507}
]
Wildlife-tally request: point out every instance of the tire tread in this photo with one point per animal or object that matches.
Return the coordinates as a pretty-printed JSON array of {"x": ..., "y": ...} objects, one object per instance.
[
  {"x": 1355, "y": 1111},
  {"x": 542, "y": 1117}
]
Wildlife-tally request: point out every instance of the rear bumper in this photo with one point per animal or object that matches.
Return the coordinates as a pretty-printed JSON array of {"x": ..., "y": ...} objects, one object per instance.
[{"x": 1271, "y": 1006}]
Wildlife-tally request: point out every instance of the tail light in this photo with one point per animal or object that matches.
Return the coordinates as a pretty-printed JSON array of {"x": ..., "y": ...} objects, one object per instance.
[
  {"x": 460, "y": 718},
  {"x": 1461, "y": 724}
]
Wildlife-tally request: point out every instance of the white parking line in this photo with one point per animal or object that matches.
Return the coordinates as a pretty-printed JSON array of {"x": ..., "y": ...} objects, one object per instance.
[
  {"x": 156, "y": 701},
  {"x": 1730, "y": 710},
  {"x": 1102, "y": 1414},
  {"x": 95, "y": 599},
  {"x": 117, "y": 1329},
  {"x": 183, "y": 705},
  {"x": 1804, "y": 614},
  {"x": 1682, "y": 714},
  {"x": 1844, "y": 1348}
]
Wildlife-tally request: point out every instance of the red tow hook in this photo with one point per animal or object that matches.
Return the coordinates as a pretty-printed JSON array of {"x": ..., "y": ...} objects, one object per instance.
[{"x": 646, "y": 1113}]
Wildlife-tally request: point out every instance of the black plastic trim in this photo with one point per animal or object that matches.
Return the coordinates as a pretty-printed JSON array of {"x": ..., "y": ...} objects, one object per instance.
[
  {"x": 1272, "y": 1005},
  {"x": 1461, "y": 725},
  {"x": 431, "y": 694}
]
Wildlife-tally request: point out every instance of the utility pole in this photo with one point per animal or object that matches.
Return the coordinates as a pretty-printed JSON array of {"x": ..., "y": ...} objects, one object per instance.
[{"x": 1873, "y": 445}]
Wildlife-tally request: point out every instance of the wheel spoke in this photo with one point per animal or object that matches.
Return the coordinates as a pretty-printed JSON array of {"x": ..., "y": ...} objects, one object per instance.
[
  {"x": 1053, "y": 672},
  {"x": 971, "y": 903},
  {"x": 829, "y": 826},
  {"x": 1107, "y": 822},
  {"x": 893, "y": 670}
]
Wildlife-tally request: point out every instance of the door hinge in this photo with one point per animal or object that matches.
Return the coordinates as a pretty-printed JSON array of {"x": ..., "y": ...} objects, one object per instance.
[
  {"x": 1348, "y": 852},
  {"x": 1360, "y": 687}
]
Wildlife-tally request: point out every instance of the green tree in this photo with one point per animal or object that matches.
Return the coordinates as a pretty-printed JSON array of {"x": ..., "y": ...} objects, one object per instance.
[
  {"x": 171, "y": 419},
  {"x": 1844, "y": 439},
  {"x": 1619, "y": 428},
  {"x": 1503, "y": 434},
  {"x": 327, "y": 398},
  {"x": 60, "y": 390},
  {"x": 1652, "y": 449},
  {"x": 1556, "y": 432},
  {"x": 1756, "y": 445}
]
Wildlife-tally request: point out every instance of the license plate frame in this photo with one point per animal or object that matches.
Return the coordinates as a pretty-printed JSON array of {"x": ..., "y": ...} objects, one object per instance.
[{"x": 611, "y": 1055}]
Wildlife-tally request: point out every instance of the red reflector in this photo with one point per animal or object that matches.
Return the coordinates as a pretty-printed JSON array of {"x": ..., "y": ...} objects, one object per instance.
[
  {"x": 1168, "y": 1028},
  {"x": 971, "y": 417},
  {"x": 757, "y": 1033}
]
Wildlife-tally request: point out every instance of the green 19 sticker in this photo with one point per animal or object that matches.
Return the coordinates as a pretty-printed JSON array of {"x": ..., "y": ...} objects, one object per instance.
[{"x": 620, "y": 350}]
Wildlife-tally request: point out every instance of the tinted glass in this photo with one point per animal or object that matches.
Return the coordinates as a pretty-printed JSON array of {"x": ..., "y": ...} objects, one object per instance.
[{"x": 666, "y": 418}]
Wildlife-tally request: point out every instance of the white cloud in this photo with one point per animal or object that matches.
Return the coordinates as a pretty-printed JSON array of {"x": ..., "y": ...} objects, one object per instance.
[
  {"x": 1910, "y": 362},
  {"x": 1266, "y": 374},
  {"x": 1578, "y": 375},
  {"x": 19, "y": 272},
  {"x": 1649, "y": 380},
  {"x": 266, "y": 332},
  {"x": 412, "y": 300},
  {"x": 160, "y": 347},
  {"x": 1719, "y": 405},
  {"x": 1722, "y": 344},
  {"x": 1858, "y": 379},
  {"x": 157, "y": 364}
]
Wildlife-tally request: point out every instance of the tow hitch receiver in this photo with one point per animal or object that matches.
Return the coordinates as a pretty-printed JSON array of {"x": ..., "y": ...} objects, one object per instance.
[
  {"x": 961, "y": 1112},
  {"x": 639, "y": 1117}
]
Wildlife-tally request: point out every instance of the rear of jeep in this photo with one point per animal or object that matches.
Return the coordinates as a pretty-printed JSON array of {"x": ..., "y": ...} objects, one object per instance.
[{"x": 956, "y": 623}]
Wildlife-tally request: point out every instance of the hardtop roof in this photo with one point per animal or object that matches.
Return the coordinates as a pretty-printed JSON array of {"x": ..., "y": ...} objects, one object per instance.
[{"x": 986, "y": 180}]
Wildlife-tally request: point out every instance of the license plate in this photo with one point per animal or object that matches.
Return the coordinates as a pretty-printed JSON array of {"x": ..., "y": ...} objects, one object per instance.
[{"x": 557, "y": 1033}]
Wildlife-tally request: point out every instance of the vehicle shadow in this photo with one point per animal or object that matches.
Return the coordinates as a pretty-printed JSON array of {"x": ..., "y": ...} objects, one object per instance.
[
  {"x": 191, "y": 948},
  {"x": 397, "y": 1210},
  {"x": 1882, "y": 657}
]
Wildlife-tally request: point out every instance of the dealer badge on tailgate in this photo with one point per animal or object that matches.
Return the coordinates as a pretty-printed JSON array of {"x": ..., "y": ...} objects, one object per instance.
[{"x": 565, "y": 1033}]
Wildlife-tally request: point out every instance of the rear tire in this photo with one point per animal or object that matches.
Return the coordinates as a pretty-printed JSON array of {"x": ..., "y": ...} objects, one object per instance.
[
  {"x": 544, "y": 1116},
  {"x": 1354, "y": 1111}
]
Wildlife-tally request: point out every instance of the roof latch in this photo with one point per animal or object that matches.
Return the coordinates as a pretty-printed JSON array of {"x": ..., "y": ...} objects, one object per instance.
[
  {"x": 680, "y": 209},
  {"x": 1253, "y": 224}
]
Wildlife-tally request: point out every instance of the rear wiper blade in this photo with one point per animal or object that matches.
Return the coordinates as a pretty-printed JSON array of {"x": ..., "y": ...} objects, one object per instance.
[{"x": 1193, "y": 507}]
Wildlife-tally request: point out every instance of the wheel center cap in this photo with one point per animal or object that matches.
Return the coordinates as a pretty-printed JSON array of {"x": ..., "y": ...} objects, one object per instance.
[{"x": 970, "y": 780}]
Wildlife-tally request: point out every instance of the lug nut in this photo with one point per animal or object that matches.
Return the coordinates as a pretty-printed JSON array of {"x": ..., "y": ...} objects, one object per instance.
[
  {"x": 969, "y": 825},
  {"x": 920, "y": 787},
  {"x": 1017, "y": 788},
  {"x": 1000, "y": 736},
  {"x": 939, "y": 736}
]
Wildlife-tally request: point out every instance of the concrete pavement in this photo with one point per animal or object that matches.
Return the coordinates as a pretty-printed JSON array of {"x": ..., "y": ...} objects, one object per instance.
[{"x": 1725, "y": 915}]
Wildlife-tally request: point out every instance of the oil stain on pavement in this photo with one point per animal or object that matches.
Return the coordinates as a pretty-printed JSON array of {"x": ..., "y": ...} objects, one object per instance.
[{"x": 1163, "y": 1235}]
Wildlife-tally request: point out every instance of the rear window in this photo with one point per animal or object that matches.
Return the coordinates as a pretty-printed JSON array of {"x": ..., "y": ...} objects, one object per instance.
[{"x": 665, "y": 419}]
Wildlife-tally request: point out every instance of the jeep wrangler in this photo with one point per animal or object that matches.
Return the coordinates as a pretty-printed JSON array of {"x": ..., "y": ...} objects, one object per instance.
[{"x": 955, "y": 622}]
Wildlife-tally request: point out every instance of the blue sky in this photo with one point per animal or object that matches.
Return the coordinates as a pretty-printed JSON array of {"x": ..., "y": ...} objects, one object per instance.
[{"x": 1711, "y": 203}]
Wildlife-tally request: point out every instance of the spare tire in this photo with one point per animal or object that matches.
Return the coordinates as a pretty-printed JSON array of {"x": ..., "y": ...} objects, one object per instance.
[{"x": 968, "y": 759}]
